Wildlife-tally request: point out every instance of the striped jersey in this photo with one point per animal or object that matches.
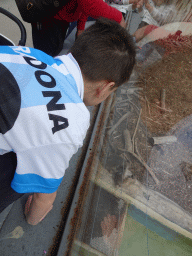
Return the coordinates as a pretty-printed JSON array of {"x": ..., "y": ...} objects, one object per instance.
[{"x": 42, "y": 115}]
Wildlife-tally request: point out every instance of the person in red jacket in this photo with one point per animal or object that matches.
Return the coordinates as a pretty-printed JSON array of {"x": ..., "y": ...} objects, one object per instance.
[{"x": 49, "y": 35}]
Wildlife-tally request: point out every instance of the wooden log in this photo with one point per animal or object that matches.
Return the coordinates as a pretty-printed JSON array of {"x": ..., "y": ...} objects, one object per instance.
[
  {"x": 157, "y": 206},
  {"x": 138, "y": 157},
  {"x": 128, "y": 142},
  {"x": 118, "y": 123},
  {"x": 163, "y": 101},
  {"x": 162, "y": 140}
]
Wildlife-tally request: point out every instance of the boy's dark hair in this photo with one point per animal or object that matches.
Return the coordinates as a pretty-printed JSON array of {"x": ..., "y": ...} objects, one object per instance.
[{"x": 105, "y": 51}]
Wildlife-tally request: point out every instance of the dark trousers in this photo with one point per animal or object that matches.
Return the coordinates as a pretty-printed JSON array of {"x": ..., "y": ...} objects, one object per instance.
[
  {"x": 8, "y": 163},
  {"x": 48, "y": 35}
]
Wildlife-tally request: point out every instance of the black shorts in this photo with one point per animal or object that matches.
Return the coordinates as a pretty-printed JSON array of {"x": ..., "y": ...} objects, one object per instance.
[
  {"x": 48, "y": 35},
  {"x": 8, "y": 163}
]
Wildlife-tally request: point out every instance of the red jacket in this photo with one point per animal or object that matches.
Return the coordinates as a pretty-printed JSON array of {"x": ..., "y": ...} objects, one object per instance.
[{"x": 80, "y": 10}]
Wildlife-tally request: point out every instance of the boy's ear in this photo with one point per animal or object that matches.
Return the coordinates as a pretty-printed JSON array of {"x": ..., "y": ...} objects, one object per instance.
[
  {"x": 111, "y": 85},
  {"x": 105, "y": 87}
]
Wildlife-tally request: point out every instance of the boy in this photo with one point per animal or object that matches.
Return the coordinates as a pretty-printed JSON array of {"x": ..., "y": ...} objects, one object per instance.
[{"x": 43, "y": 114}]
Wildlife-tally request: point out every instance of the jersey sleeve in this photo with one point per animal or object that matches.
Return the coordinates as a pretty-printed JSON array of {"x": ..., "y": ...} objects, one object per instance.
[{"x": 41, "y": 169}]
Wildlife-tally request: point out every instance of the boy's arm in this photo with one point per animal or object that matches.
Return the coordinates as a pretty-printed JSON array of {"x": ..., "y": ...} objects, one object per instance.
[
  {"x": 81, "y": 23},
  {"x": 40, "y": 205}
]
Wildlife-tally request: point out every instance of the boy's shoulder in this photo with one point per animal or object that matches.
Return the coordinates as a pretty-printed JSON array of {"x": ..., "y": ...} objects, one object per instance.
[
  {"x": 64, "y": 68},
  {"x": 48, "y": 93}
]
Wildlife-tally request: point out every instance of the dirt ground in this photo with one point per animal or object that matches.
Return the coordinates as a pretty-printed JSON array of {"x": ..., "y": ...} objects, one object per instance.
[{"x": 173, "y": 74}]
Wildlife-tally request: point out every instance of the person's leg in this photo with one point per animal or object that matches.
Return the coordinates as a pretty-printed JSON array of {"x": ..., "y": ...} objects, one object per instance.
[
  {"x": 8, "y": 163},
  {"x": 48, "y": 36}
]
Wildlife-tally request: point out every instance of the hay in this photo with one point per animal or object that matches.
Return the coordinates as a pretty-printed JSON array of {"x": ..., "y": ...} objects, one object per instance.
[{"x": 173, "y": 73}]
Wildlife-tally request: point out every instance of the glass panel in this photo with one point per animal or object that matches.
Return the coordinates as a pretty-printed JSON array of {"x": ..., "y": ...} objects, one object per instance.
[{"x": 139, "y": 200}]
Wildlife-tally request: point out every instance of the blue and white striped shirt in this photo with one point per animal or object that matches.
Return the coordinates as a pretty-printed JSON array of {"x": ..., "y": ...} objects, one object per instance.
[{"x": 42, "y": 115}]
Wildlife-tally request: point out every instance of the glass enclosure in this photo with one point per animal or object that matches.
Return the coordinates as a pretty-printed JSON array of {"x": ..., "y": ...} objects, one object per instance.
[{"x": 139, "y": 195}]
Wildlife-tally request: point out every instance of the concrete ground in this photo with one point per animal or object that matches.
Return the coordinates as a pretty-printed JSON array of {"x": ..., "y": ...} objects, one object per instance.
[{"x": 16, "y": 236}]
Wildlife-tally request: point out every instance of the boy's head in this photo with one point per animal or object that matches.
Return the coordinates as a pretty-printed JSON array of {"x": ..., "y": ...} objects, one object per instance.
[{"x": 105, "y": 53}]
